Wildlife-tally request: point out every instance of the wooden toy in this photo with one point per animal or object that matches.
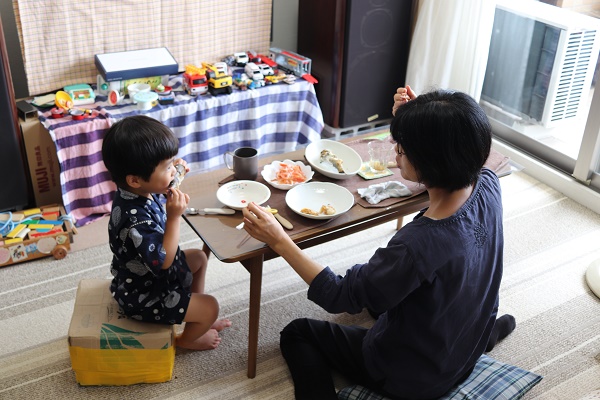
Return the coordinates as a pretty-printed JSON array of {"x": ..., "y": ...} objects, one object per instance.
[{"x": 35, "y": 233}]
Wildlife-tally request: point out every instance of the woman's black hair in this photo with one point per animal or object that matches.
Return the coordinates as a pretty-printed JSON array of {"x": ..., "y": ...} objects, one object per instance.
[
  {"x": 446, "y": 136},
  {"x": 135, "y": 146}
]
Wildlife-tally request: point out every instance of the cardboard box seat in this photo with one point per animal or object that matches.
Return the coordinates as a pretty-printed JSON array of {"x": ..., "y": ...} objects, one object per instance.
[{"x": 107, "y": 348}]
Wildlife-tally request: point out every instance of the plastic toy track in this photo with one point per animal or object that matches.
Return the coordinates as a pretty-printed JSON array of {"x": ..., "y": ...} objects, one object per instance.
[{"x": 59, "y": 252}]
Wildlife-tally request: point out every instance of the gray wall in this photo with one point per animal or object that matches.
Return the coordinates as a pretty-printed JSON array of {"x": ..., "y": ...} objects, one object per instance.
[
  {"x": 284, "y": 35},
  {"x": 285, "y": 24}
]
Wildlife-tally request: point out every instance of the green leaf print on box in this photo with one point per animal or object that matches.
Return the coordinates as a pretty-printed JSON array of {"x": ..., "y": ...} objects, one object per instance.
[{"x": 114, "y": 337}]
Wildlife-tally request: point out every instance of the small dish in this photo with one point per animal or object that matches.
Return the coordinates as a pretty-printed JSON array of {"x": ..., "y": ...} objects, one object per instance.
[
  {"x": 351, "y": 160},
  {"x": 238, "y": 194},
  {"x": 270, "y": 171},
  {"x": 314, "y": 195}
]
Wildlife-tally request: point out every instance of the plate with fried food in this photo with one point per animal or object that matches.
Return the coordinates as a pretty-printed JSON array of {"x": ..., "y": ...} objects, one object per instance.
[
  {"x": 319, "y": 200},
  {"x": 333, "y": 159},
  {"x": 286, "y": 174}
]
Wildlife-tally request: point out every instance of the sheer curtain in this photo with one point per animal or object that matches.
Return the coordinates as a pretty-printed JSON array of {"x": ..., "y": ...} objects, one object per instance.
[{"x": 450, "y": 44}]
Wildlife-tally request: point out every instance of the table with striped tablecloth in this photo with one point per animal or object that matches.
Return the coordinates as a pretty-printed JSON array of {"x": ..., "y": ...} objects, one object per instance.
[{"x": 274, "y": 118}]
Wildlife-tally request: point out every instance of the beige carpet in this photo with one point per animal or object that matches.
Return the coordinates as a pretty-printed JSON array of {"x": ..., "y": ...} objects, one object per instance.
[{"x": 550, "y": 241}]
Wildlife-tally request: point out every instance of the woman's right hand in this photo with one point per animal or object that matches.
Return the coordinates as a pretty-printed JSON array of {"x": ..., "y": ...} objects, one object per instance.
[
  {"x": 262, "y": 225},
  {"x": 402, "y": 96}
]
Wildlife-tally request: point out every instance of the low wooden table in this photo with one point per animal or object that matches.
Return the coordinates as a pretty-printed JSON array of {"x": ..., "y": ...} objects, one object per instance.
[{"x": 230, "y": 245}]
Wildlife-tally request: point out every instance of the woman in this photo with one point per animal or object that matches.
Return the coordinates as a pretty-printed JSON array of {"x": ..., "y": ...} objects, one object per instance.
[{"x": 436, "y": 283}]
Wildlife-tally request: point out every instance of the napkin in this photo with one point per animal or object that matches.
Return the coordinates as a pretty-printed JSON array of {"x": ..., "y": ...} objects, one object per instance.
[{"x": 381, "y": 191}]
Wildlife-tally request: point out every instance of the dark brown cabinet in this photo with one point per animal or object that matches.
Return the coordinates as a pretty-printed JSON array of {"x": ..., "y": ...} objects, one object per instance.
[
  {"x": 359, "y": 52},
  {"x": 13, "y": 177}
]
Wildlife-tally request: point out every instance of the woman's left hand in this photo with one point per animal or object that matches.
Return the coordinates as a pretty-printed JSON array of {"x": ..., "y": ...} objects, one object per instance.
[{"x": 402, "y": 96}]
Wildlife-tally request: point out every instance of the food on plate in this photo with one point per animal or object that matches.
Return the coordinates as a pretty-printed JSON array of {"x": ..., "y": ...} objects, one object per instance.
[
  {"x": 326, "y": 209},
  {"x": 289, "y": 174},
  {"x": 308, "y": 211},
  {"x": 328, "y": 156}
]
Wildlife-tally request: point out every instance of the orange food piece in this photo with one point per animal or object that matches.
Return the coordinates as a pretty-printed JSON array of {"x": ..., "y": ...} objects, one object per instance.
[{"x": 289, "y": 174}]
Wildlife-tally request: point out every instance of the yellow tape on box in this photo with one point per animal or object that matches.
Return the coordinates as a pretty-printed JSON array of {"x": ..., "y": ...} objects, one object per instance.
[
  {"x": 107, "y": 348},
  {"x": 122, "y": 367}
]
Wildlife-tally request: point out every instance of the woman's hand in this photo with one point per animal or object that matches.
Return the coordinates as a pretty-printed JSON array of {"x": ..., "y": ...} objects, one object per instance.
[
  {"x": 402, "y": 96},
  {"x": 177, "y": 202},
  {"x": 262, "y": 225}
]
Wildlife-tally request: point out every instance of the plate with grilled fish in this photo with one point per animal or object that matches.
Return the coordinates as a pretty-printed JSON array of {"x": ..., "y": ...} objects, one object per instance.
[{"x": 333, "y": 159}]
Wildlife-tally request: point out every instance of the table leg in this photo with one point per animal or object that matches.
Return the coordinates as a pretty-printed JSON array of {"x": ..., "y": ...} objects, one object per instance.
[
  {"x": 399, "y": 223},
  {"x": 254, "y": 267}
]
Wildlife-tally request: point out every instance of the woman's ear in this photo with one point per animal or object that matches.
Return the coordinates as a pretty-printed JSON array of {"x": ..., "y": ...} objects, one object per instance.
[{"x": 133, "y": 181}]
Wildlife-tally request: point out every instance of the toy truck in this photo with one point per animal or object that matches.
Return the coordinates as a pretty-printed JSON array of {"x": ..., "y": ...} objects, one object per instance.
[
  {"x": 194, "y": 80},
  {"x": 293, "y": 63},
  {"x": 218, "y": 81},
  {"x": 240, "y": 59},
  {"x": 267, "y": 60}
]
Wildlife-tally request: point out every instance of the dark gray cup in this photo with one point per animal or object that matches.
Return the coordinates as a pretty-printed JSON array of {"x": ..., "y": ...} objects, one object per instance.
[{"x": 243, "y": 161}]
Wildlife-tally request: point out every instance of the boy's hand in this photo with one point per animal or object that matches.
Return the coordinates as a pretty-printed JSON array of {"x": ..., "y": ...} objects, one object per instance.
[
  {"x": 182, "y": 162},
  {"x": 177, "y": 202},
  {"x": 402, "y": 96}
]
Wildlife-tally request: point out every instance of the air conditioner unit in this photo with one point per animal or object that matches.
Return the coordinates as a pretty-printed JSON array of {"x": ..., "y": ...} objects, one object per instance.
[{"x": 541, "y": 61}]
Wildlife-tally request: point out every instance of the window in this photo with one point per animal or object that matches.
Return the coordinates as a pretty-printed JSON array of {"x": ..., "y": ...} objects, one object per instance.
[{"x": 540, "y": 83}]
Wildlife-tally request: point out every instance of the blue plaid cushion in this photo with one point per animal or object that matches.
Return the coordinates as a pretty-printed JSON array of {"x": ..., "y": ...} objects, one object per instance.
[{"x": 490, "y": 379}]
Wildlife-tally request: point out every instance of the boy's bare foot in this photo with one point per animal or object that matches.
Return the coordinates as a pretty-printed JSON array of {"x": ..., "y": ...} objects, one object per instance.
[
  {"x": 221, "y": 324},
  {"x": 209, "y": 341}
]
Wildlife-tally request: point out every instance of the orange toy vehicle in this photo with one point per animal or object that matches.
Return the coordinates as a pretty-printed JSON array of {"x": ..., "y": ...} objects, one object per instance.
[{"x": 194, "y": 80}]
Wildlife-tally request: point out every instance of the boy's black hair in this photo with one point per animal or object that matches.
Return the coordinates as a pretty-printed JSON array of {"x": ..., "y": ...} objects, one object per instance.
[
  {"x": 446, "y": 136},
  {"x": 135, "y": 146}
]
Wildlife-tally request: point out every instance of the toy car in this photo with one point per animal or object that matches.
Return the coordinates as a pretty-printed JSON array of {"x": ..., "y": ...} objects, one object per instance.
[
  {"x": 241, "y": 59},
  {"x": 194, "y": 80},
  {"x": 265, "y": 69},
  {"x": 222, "y": 67},
  {"x": 253, "y": 72},
  {"x": 271, "y": 79}
]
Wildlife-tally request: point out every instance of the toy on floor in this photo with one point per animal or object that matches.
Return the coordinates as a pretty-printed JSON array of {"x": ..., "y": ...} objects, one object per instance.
[{"x": 35, "y": 233}]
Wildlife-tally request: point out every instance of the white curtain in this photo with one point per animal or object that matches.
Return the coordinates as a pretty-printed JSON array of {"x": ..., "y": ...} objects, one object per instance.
[{"x": 450, "y": 44}]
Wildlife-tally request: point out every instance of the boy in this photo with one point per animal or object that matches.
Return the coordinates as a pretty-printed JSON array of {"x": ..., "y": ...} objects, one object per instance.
[{"x": 153, "y": 279}]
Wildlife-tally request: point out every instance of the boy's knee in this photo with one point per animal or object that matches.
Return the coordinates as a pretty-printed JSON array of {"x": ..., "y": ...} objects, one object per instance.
[
  {"x": 214, "y": 304},
  {"x": 196, "y": 255}
]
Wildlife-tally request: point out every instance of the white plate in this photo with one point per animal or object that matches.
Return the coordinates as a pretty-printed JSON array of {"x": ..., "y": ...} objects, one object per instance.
[
  {"x": 314, "y": 195},
  {"x": 238, "y": 194},
  {"x": 352, "y": 161},
  {"x": 269, "y": 173}
]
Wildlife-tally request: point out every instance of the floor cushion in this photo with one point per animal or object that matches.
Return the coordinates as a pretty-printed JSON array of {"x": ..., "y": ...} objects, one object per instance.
[{"x": 490, "y": 379}]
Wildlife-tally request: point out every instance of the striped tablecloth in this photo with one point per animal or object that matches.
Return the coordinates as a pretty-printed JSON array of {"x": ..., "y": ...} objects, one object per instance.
[{"x": 275, "y": 118}]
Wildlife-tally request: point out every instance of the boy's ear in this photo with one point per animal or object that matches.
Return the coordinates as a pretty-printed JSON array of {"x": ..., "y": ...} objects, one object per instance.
[{"x": 133, "y": 181}]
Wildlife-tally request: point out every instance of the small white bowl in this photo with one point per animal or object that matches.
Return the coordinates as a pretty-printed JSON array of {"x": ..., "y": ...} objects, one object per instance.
[
  {"x": 314, "y": 195},
  {"x": 238, "y": 194},
  {"x": 136, "y": 88},
  {"x": 269, "y": 173},
  {"x": 352, "y": 161}
]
